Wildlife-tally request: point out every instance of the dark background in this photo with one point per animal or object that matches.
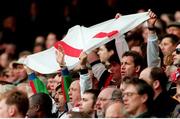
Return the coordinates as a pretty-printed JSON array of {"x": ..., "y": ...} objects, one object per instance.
[{"x": 53, "y": 17}]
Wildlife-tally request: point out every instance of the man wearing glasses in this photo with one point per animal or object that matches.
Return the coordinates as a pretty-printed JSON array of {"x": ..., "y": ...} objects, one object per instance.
[{"x": 138, "y": 98}]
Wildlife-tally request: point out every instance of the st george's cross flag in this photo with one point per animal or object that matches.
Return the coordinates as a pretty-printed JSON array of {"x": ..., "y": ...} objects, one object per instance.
[{"x": 86, "y": 39}]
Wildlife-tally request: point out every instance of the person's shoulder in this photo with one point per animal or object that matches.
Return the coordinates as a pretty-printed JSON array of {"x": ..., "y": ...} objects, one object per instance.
[{"x": 176, "y": 112}]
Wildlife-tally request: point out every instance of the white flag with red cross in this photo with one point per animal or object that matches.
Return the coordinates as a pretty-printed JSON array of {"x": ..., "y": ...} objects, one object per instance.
[{"x": 80, "y": 38}]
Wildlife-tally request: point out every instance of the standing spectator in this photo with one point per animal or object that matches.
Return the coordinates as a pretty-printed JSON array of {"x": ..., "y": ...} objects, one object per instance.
[
  {"x": 168, "y": 44},
  {"x": 173, "y": 28},
  {"x": 131, "y": 64}
]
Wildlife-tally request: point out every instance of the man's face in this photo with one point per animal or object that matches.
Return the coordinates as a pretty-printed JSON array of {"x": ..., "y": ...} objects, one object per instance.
[
  {"x": 166, "y": 46},
  {"x": 50, "y": 84},
  {"x": 20, "y": 71},
  {"x": 74, "y": 92},
  {"x": 115, "y": 70},
  {"x": 132, "y": 100},
  {"x": 32, "y": 111},
  {"x": 176, "y": 56},
  {"x": 174, "y": 30},
  {"x": 11, "y": 76},
  {"x": 127, "y": 66},
  {"x": 59, "y": 98},
  {"x": 103, "y": 53},
  {"x": 87, "y": 103},
  {"x": 104, "y": 98},
  {"x": 4, "y": 109}
]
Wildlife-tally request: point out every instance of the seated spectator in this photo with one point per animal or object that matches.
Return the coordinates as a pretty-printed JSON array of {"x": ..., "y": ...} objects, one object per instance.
[{"x": 14, "y": 104}]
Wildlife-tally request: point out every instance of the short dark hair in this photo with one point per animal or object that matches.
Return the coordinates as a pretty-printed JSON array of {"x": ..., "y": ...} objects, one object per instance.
[
  {"x": 112, "y": 46},
  {"x": 142, "y": 88},
  {"x": 138, "y": 59},
  {"x": 18, "y": 98},
  {"x": 174, "y": 38},
  {"x": 158, "y": 73},
  {"x": 94, "y": 92},
  {"x": 44, "y": 101},
  {"x": 117, "y": 95}
]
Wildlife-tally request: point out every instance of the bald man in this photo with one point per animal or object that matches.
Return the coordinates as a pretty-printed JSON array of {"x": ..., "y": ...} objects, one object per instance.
[{"x": 115, "y": 110}]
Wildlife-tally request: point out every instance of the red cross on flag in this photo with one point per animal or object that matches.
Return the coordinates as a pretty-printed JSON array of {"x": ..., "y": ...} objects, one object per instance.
[{"x": 80, "y": 38}]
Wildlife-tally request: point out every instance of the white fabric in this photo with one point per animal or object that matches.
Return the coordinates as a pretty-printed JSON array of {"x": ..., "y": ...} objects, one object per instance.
[
  {"x": 153, "y": 58},
  {"x": 85, "y": 83},
  {"x": 83, "y": 38}
]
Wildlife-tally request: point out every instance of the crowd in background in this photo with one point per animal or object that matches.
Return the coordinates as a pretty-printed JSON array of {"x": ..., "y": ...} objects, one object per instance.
[{"x": 143, "y": 82}]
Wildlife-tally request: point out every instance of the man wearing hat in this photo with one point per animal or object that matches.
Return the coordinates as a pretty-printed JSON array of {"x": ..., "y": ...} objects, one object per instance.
[
  {"x": 173, "y": 28},
  {"x": 19, "y": 70}
]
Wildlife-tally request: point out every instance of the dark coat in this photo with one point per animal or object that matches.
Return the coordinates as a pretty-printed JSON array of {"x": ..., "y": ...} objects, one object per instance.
[{"x": 164, "y": 105}]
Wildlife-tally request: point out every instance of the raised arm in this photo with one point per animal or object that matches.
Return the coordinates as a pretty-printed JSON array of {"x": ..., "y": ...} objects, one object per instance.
[
  {"x": 99, "y": 70},
  {"x": 85, "y": 81},
  {"x": 66, "y": 80},
  {"x": 153, "y": 58},
  {"x": 36, "y": 84}
]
